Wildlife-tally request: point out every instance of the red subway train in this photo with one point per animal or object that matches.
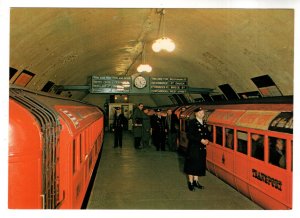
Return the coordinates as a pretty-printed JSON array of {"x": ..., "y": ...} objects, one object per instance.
[
  {"x": 54, "y": 144},
  {"x": 243, "y": 149}
]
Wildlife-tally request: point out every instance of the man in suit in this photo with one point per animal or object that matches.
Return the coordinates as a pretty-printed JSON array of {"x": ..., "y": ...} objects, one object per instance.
[
  {"x": 118, "y": 124},
  {"x": 172, "y": 126},
  {"x": 158, "y": 131},
  {"x": 137, "y": 119}
]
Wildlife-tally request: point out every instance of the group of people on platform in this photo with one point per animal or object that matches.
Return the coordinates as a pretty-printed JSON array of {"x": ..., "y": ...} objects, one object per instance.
[
  {"x": 164, "y": 130},
  {"x": 156, "y": 128}
]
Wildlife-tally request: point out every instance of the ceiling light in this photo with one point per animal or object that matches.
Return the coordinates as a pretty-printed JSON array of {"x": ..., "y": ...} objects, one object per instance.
[
  {"x": 163, "y": 43},
  {"x": 143, "y": 67}
]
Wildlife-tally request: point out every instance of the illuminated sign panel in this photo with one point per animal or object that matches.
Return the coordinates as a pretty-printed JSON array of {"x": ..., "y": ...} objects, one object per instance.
[
  {"x": 124, "y": 84},
  {"x": 168, "y": 85},
  {"x": 110, "y": 84}
]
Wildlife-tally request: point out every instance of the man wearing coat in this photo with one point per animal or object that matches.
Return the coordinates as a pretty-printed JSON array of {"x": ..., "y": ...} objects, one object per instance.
[
  {"x": 137, "y": 122},
  {"x": 172, "y": 127},
  {"x": 158, "y": 131},
  {"x": 118, "y": 125}
]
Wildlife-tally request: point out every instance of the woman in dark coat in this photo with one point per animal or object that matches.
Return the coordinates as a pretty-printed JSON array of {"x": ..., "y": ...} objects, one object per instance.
[{"x": 195, "y": 162}]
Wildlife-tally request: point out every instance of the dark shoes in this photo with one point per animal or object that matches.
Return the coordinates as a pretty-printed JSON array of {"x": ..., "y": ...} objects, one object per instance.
[
  {"x": 198, "y": 185},
  {"x": 191, "y": 186}
]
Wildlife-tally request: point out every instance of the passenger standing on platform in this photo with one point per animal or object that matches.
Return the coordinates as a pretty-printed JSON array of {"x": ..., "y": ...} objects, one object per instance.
[
  {"x": 158, "y": 131},
  {"x": 137, "y": 122},
  {"x": 146, "y": 134},
  {"x": 195, "y": 162},
  {"x": 118, "y": 124},
  {"x": 172, "y": 126}
]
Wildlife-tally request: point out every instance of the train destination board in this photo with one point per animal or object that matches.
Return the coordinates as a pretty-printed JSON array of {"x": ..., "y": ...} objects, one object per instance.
[
  {"x": 124, "y": 84},
  {"x": 168, "y": 85},
  {"x": 110, "y": 84}
]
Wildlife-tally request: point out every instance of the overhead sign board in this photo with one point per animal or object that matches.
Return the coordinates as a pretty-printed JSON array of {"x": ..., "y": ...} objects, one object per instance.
[
  {"x": 110, "y": 84},
  {"x": 168, "y": 85},
  {"x": 124, "y": 85}
]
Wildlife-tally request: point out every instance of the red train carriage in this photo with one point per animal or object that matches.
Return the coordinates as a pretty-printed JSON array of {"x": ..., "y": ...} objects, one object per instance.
[
  {"x": 242, "y": 149},
  {"x": 53, "y": 147}
]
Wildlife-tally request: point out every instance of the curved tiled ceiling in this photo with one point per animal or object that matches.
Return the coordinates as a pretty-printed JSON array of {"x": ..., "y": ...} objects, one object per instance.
[{"x": 213, "y": 46}]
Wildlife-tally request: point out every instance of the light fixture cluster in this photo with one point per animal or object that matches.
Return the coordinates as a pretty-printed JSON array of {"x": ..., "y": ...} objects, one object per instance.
[
  {"x": 144, "y": 68},
  {"x": 162, "y": 44}
]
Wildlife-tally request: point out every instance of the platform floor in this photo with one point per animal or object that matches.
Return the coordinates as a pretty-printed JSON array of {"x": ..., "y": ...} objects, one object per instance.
[{"x": 148, "y": 179}]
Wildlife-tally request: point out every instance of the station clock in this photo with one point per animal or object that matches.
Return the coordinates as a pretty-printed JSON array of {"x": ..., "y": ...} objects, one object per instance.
[{"x": 140, "y": 82}]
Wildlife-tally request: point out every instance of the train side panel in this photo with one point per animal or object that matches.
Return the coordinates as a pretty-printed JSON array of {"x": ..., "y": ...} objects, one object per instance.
[
  {"x": 24, "y": 159},
  {"x": 84, "y": 137},
  {"x": 54, "y": 144}
]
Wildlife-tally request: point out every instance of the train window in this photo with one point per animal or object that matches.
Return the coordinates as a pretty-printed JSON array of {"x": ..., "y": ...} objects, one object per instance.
[
  {"x": 277, "y": 148},
  {"x": 242, "y": 141},
  {"x": 257, "y": 146},
  {"x": 74, "y": 156},
  {"x": 182, "y": 127},
  {"x": 186, "y": 124},
  {"x": 80, "y": 148},
  {"x": 210, "y": 130},
  {"x": 292, "y": 155},
  {"x": 229, "y": 134},
  {"x": 219, "y": 135}
]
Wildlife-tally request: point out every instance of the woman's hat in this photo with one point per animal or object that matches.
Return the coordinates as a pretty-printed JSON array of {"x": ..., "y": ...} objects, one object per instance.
[{"x": 198, "y": 109}]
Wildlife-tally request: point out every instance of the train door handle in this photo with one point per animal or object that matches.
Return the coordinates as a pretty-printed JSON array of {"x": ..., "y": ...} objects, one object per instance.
[
  {"x": 62, "y": 200},
  {"x": 223, "y": 158}
]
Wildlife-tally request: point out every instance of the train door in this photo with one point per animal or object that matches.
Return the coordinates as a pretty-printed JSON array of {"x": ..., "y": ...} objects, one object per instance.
[
  {"x": 223, "y": 157},
  {"x": 241, "y": 161},
  {"x": 224, "y": 142},
  {"x": 271, "y": 179},
  {"x": 209, "y": 150},
  {"x": 183, "y": 141}
]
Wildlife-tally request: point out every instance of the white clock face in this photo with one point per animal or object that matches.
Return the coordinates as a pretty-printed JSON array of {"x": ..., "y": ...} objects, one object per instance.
[{"x": 140, "y": 82}]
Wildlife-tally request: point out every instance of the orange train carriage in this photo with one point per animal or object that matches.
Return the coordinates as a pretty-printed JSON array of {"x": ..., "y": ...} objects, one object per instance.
[
  {"x": 54, "y": 144},
  {"x": 241, "y": 152}
]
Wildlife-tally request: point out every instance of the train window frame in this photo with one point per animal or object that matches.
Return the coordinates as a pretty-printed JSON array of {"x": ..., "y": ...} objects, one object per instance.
[
  {"x": 182, "y": 125},
  {"x": 210, "y": 128},
  {"x": 291, "y": 153},
  {"x": 240, "y": 132},
  {"x": 186, "y": 124},
  {"x": 254, "y": 153},
  {"x": 272, "y": 151},
  {"x": 80, "y": 148},
  {"x": 232, "y": 134},
  {"x": 219, "y": 137},
  {"x": 74, "y": 156}
]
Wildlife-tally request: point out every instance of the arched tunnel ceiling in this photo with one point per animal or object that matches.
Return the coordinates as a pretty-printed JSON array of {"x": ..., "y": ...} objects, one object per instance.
[{"x": 213, "y": 46}]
